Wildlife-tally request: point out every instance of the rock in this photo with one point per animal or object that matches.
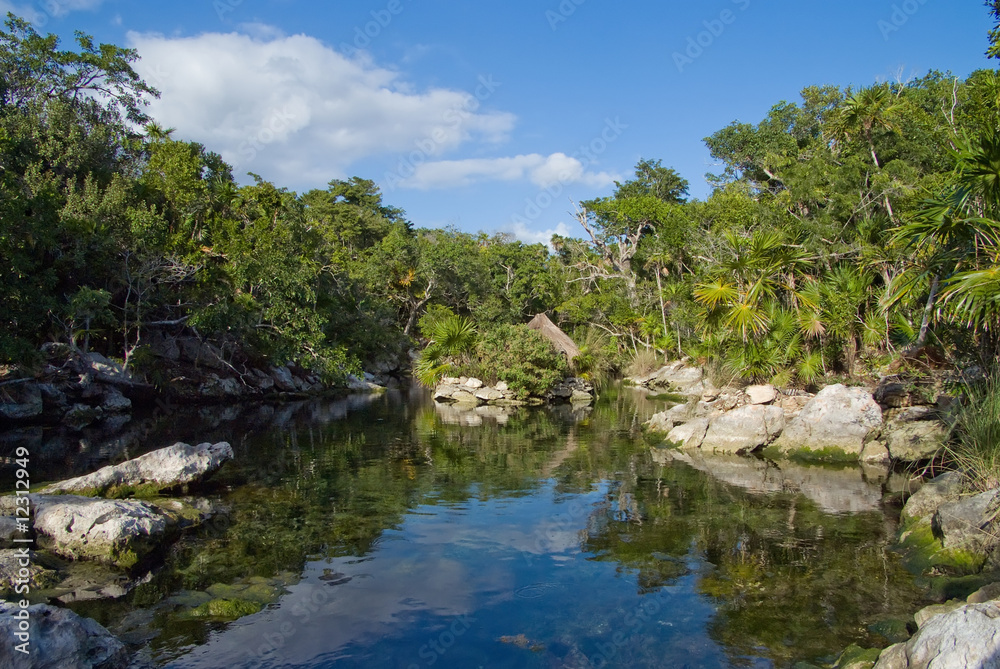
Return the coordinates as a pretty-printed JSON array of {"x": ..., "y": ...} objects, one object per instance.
[
  {"x": 744, "y": 429},
  {"x": 445, "y": 392},
  {"x": 168, "y": 467},
  {"x": 59, "y": 638},
  {"x": 475, "y": 384},
  {"x": 465, "y": 397},
  {"x": 961, "y": 639},
  {"x": 502, "y": 386},
  {"x": 21, "y": 401},
  {"x": 283, "y": 379},
  {"x": 353, "y": 383},
  {"x": 105, "y": 369},
  {"x": 689, "y": 435},
  {"x": 833, "y": 490},
  {"x": 80, "y": 416},
  {"x": 910, "y": 414},
  {"x": 915, "y": 440},
  {"x": 761, "y": 394},
  {"x": 488, "y": 394},
  {"x": 114, "y": 401},
  {"x": 660, "y": 422},
  {"x": 932, "y": 494},
  {"x": 987, "y": 593},
  {"x": 581, "y": 397},
  {"x": 202, "y": 353},
  {"x": 792, "y": 406},
  {"x": 838, "y": 419},
  {"x": 876, "y": 453},
  {"x": 8, "y": 530},
  {"x": 855, "y": 657},
  {"x": 260, "y": 380},
  {"x": 964, "y": 523},
  {"x": 13, "y": 561},
  {"x": 118, "y": 532},
  {"x": 676, "y": 377},
  {"x": 928, "y": 612}
]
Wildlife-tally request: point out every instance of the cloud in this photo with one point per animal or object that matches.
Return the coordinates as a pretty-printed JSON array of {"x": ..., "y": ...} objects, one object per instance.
[
  {"x": 528, "y": 236},
  {"x": 542, "y": 171},
  {"x": 39, "y": 13},
  {"x": 298, "y": 112}
]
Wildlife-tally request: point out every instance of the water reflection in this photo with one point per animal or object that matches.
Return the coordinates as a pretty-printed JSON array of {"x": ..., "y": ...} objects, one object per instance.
[{"x": 386, "y": 531}]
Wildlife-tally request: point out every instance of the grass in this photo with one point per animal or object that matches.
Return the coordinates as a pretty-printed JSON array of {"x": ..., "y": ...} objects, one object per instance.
[{"x": 975, "y": 445}]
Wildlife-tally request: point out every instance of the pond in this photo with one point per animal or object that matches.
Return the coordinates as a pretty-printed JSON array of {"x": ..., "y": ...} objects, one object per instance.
[{"x": 388, "y": 532}]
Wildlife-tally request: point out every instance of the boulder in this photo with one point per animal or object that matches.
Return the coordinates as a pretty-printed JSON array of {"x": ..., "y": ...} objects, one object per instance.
[
  {"x": 689, "y": 435},
  {"x": 80, "y": 416},
  {"x": 117, "y": 532},
  {"x": 21, "y": 401},
  {"x": 8, "y": 529},
  {"x": 966, "y": 637},
  {"x": 840, "y": 419},
  {"x": 59, "y": 639},
  {"x": 660, "y": 422},
  {"x": 914, "y": 440},
  {"x": 761, "y": 394},
  {"x": 114, "y": 401},
  {"x": 793, "y": 405},
  {"x": 105, "y": 369},
  {"x": 931, "y": 495},
  {"x": 283, "y": 379},
  {"x": 965, "y": 523},
  {"x": 488, "y": 394},
  {"x": 475, "y": 384},
  {"x": 676, "y": 377},
  {"x": 13, "y": 561},
  {"x": 168, "y": 467},
  {"x": 744, "y": 429}
]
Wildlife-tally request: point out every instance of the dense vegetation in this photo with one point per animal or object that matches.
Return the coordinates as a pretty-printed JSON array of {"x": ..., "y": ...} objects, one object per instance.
[{"x": 844, "y": 229}]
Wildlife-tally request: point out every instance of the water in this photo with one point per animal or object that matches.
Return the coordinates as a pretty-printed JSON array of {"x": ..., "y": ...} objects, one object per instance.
[{"x": 382, "y": 532}]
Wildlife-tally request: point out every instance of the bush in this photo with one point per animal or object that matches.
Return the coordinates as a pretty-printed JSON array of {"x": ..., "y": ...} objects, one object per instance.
[
  {"x": 521, "y": 357},
  {"x": 975, "y": 446}
]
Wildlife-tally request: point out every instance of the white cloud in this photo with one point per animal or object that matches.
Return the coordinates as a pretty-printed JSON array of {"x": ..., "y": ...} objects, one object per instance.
[
  {"x": 297, "y": 111},
  {"x": 528, "y": 236},
  {"x": 542, "y": 171}
]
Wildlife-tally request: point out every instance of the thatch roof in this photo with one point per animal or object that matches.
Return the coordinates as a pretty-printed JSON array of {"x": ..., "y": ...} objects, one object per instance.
[{"x": 559, "y": 339}]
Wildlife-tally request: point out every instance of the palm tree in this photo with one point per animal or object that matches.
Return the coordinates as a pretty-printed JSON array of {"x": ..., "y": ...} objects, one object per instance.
[{"x": 862, "y": 114}]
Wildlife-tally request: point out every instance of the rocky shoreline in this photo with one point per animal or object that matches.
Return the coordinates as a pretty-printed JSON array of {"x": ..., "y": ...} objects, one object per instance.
[
  {"x": 471, "y": 392},
  {"x": 887, "y": 424},
  {"x": 948, "y": 537}
]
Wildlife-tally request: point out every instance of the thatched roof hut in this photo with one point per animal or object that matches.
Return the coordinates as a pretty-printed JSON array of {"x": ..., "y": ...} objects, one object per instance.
[{"x": 559, "y": 339}]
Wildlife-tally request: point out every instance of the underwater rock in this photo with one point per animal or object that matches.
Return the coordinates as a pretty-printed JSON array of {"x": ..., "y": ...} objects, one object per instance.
[
  {"x": 168, "y": 467},
  {"x": 59, "y": 639}
]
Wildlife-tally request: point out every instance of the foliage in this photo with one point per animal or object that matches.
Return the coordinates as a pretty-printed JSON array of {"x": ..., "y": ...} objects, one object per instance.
[
  {"x": 521, "y": 357},
  {"x": 975, "y": 444}
]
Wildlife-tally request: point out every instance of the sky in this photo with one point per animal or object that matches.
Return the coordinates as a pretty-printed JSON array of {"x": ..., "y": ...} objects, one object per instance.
[{"x": 499, "y": 116}]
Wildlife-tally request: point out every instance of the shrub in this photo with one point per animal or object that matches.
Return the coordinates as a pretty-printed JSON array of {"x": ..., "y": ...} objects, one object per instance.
[
  {"x": 521, "y": 357},
  {"x": 975, "y": 445}
]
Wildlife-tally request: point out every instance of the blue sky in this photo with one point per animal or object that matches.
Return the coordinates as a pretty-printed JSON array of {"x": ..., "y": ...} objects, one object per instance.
[{"x": 497, "y": 116}]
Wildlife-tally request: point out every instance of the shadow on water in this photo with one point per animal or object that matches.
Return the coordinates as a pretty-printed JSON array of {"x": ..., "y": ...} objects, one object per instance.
[{"x": 385, "y": 531}]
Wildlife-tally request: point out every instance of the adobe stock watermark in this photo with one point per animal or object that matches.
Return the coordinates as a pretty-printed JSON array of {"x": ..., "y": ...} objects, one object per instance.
[
  {"x": 587, "y": 155},
  {"x": 40, "y": 13},
  {"x": 429, "y": 145},
  {"x": 901, "y": 15},
  {"x": 224, "y": 7},
  {"x": 562, "y": 13},
  {"x": 714, "y": 28},
  {"x": 632, "y": 624},
  {"x": 437, "y": 646},
  {"x": 363, "y": 35},
  {"x": 278, "y": 121}
]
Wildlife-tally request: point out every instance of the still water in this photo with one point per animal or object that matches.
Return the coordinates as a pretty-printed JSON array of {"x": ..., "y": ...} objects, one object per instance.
[{"x": 388, "y": 532}]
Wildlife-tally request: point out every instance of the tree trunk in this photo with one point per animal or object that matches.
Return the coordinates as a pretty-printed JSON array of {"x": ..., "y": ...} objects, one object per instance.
[
  {"x": 663, "y": 309},
  {"x": 925, "y": 321}
]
